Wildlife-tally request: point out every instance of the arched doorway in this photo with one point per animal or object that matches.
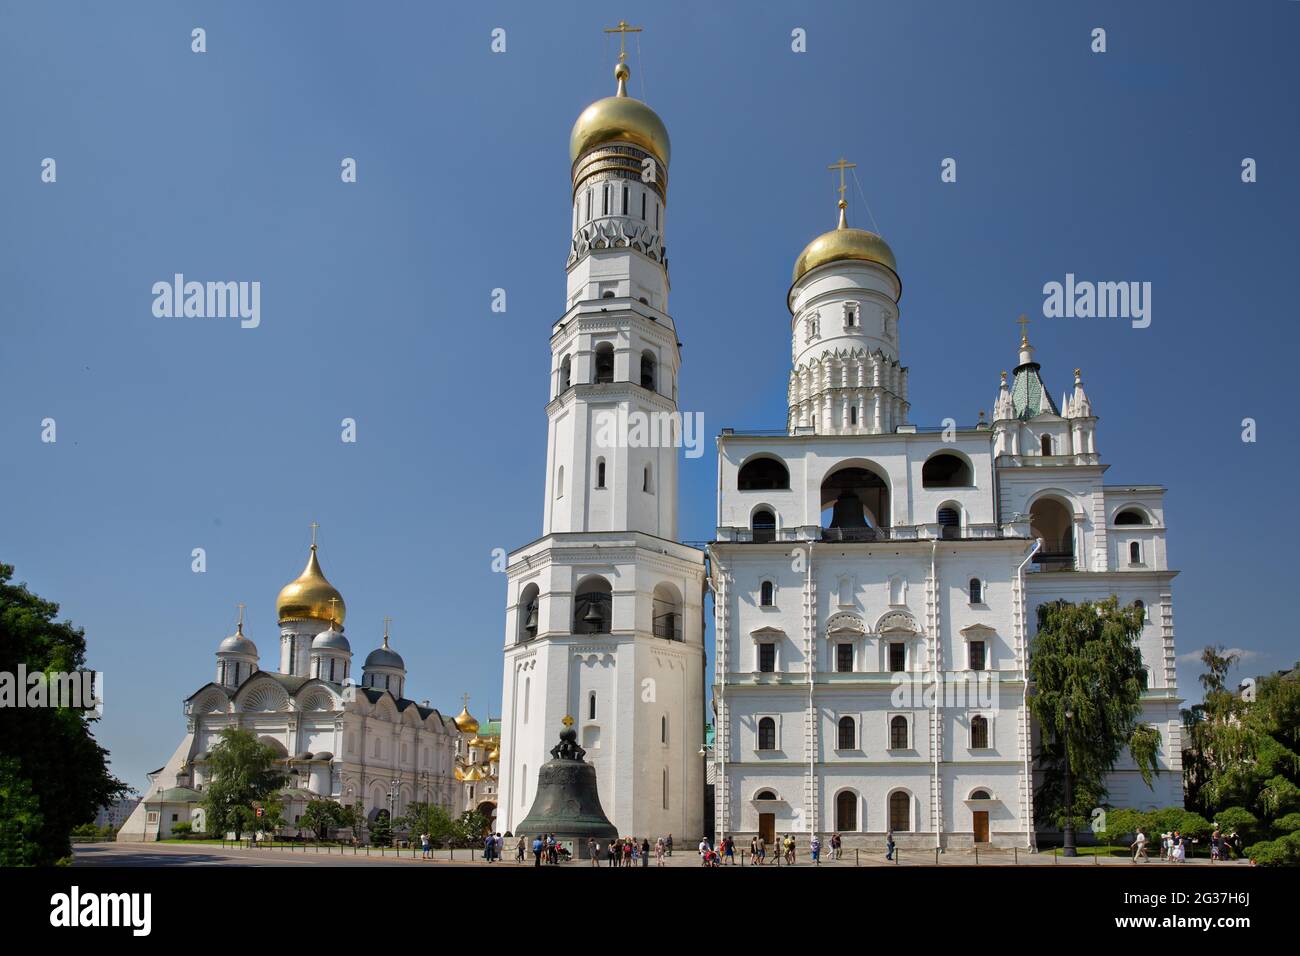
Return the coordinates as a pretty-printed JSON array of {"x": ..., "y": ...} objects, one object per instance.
[{"x": 1053, "y": 522}]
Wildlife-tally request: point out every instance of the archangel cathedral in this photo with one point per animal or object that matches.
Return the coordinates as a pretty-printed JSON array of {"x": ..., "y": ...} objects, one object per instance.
[
  {"x": 361, "y": 743},
  {"x": 858, "y": 559}
]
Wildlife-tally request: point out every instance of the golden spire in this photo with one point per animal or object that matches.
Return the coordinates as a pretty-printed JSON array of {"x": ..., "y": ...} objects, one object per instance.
[
  {"x": 622, "y": 71},
  {"x": 841, "y": 166}
]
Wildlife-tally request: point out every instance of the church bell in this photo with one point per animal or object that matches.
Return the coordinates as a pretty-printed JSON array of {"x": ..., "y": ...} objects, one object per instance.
[
  {"x": 566, "y": 802},
  {"x": 848, "y": 511}
]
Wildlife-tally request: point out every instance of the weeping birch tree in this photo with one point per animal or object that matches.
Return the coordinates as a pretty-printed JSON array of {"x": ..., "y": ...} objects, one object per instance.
[{"x": 1087, "y": 681}]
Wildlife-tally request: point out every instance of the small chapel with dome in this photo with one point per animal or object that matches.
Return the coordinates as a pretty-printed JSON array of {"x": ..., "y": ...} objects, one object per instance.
[{"x": 364, "y": 744}]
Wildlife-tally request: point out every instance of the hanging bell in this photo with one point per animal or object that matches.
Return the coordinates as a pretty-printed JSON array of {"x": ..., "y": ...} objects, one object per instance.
[
  {"x": 592, "y": 616},
  {"x": 530, "y": 625},
  {"x": 848, "y": 511}
]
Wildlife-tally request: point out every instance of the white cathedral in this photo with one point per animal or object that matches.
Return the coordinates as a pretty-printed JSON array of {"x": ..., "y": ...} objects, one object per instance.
[
  {"x": 858, "y": 559},
  {"x": 367, "y": 745}
]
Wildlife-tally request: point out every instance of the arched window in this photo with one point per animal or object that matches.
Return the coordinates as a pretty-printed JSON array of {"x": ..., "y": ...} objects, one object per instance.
[
  {"x": 1046, "y": 441},
  {"x": 604, "y": 362},
  {"x": 591, "y": 706},
  {"x": 1134, "y": 553},
  {"x": 666, "y": 612},
  {"x": 566, "y": 373},
  {"x": 898, "y": 733},
  {"x": 949, "y": 519},
  {"x": 979, "y": 732},
  {"x": 763, "y": 474},
  {"x": 648, "y": 480},
  {"x": 976, "y": 591},
  {"x": 854, "y": 505},
  {"x": 946, "y": 470},
  {"x": 528, "y": 613},
  {"x": 559, "y": 482},
  {"x": 900, "y": 812},
  {"x": 663, "y": 729},
  {"x": 765, "y": 594},
  {"x": 765, "y": 795},
  {"x": 648, "y": 371},
  {"x": 592, "y": 606},
  {"x": 764, "y": 525},
  {"x": 980, "y": 795},
  {"x": 609, "y": 294},
  {"x": 846, "y": 812},
  {"x": 1130, "y": 516},
  {"x": 848, "y": 737},
  {"x": 766, "y": 734},
  {"x": 600, "y": 472},
  {"x": 1141, "y": 609},
  {"x": 625, "y": 200},
  {"x": 1052, "y": 521},
  {"x": 853, "y": 414}
]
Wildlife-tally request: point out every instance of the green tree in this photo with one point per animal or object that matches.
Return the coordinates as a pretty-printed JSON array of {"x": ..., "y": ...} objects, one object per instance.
[
  {"x": 1241, "y": 762},
  {"x": 55, "y": 776},
  {"x": 381, "y": 830},
  {"x": 1085, "y": 662},
  {"x": 431, "y": 819},
  {"x": 321, "y": 816},
  {"x": 243, "y": 771},
  {"x": 471, "y": 827}
]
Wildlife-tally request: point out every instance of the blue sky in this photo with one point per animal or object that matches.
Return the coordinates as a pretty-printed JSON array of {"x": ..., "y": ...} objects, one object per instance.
[{"x": 175, "y": 434}]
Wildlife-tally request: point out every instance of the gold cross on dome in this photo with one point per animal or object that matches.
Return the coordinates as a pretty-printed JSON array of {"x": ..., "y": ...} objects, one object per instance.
[
  {"x": 465, "y": 700},
  {"x": 567, "y": 721},
  {"x": 622, "y": 30},
  {"x": 1023, "y": 322},
  {"x": 314, "y": 526},
  {"x": 841, "y": 166},
  {"x": 387, "y": 621},
  {"x": 241, "y": 614}
]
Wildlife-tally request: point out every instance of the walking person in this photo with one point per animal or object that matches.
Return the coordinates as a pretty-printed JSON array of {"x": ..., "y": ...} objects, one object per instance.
[
  {"x": 816, "y": 847},
  {"x": 1139, "y": 847},
  {"x": 521, "y": 848},
  {"x": 612, "y": 851},
  {"x": 489, "y": 845},
  {"x": 889, "y": 845},
  {"x": 728, "y": 850},
  {"x": 424, "y": 846},
  {"x": 645, "y": 851},
  {"x": 669, "y": 844},
  {"x": 538, "y": 846},
  {"x": 659, "y": 852},
  {"x": 498, "y": 847}
]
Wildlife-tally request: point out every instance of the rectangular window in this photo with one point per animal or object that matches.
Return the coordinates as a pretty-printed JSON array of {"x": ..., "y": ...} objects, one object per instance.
[
  {"x": 897, "y": 657},
  {"x": 604, "y": 201},
  {"x": 656, "y": 214},
  {"x": 767, "y": 658},
  {"x": 844, "y": 658},
  {"x": 625, "y": 200},
  {"x": 977, "y": 655},
  {"x": 979, "y": 733},
  {"x": 643, "y": 205}
]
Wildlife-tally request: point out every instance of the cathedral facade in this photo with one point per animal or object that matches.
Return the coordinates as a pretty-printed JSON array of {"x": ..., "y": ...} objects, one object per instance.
[
  {"x": 365, "y": 745},
  {"x": 876, "y": 585}
]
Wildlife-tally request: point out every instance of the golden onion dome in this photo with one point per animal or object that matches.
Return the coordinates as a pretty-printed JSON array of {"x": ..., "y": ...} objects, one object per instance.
[
  {"x": 465, "y": 721},
  {"x": 843, "y": 243},
  {"x": 494, "y": 755},
  {"x": 476, "y": 741},
  {"x": 310, "y": 596},
  {"x": 460, "y": 773},
  {"x": 471, "y": 774},
  {"x": 620, "y": 119}
]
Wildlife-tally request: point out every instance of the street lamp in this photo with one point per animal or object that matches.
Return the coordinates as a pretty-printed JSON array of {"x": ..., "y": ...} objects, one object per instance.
[{"x": 1068, "y": 849}]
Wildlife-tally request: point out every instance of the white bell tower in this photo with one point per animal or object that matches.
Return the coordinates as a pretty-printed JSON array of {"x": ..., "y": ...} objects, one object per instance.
[{"x": 604, "y": 618}]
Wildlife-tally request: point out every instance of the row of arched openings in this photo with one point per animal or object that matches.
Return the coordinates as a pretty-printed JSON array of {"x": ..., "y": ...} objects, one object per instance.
[
  {"x": 604, "y": 368},
  {"x": 593, "y": 610}
]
